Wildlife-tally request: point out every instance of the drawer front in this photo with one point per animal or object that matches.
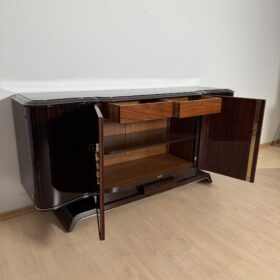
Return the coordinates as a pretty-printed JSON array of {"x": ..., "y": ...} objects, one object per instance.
[
  {"x": 192, "y": 108},
  {"x": 133, "y": 112}
]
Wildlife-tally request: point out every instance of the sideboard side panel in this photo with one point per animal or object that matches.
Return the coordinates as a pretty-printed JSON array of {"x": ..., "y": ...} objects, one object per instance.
[{"x": 24, "y": 146}]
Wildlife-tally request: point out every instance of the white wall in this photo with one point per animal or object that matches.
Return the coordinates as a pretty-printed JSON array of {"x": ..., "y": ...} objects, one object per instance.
[{"x": 86, "y": 44}]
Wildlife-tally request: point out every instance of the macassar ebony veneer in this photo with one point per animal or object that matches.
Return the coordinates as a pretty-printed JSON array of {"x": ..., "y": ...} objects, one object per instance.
[{"x": 81, "y": 155}]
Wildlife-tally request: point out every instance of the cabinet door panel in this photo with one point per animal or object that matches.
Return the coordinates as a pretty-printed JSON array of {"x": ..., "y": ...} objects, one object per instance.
[
  {"x": 64, "y": 163},
  {"x": 100, "y": 174},
  {"x": 230, "y": 140},
  {"x": 72, "y": 131}
]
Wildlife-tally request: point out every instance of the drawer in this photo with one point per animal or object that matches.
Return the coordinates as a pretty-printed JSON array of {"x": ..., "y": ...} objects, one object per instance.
[
  {"x": 196, "y": 106},
  {"x": 134, "y": 111}
]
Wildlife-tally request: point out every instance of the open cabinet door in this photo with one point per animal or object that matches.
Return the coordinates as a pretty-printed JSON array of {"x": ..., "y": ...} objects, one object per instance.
[
  {"x": 99, "y": 159},
  {"x": 229, "y": 141}
]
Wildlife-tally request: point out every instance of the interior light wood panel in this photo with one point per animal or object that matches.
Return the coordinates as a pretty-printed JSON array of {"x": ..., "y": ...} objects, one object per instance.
[
  {"x": 127, "y": 112},
  {"x": 131, "y": 172},
  {"x": 136, "y": 154}
]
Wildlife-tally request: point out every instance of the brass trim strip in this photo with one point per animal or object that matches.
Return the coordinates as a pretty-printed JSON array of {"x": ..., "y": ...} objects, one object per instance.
[{"x": 253, "y": 141}]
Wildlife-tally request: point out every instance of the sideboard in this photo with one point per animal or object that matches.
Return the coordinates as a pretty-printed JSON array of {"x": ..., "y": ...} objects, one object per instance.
[{"x": 81, "y": 154}]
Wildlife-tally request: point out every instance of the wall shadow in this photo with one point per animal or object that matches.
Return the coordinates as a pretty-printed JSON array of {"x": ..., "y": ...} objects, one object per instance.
[
  {"x": 12, "y": 194},
  {"x": 37, "y": 225}
]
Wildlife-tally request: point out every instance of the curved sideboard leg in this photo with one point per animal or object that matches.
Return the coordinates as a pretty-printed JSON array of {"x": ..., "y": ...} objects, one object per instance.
[
  {"x": 200, "y": 176},
  {"x": 69, "y": 215},
  {"x": 206, "y": 178}
]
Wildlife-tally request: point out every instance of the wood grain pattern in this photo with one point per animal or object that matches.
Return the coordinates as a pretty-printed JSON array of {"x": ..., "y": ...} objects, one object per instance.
[
  {"x": 226, "y": 231},
  {"x": 145, "y": 169},
  {"x": 186, "y": 107},
  {"x": 146, "y": 125},
  {"x": 124, "y": 112},
  {"x": 226, "y": 138},
  {"x": 60, "y": 136},
  {"x": 184, "y": 149},
  {"x": 136, "y": 154},
  {"x": 116, "y": 134},
  {"x": 132, "y": 141},
  {"x": 113, "y": 128}
]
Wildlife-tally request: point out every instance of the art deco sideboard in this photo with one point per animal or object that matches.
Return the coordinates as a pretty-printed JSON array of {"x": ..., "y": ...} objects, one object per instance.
[{"x": 82, "y": 154}]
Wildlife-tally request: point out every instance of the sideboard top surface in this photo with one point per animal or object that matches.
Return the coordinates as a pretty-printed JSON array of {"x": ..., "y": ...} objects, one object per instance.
[{"x": 52, "y": 98}]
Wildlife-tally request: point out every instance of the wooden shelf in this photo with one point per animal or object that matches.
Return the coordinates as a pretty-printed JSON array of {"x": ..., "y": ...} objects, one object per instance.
[
  {"x": 126, "y": 142},
  {"x": 119, "y": 176}
]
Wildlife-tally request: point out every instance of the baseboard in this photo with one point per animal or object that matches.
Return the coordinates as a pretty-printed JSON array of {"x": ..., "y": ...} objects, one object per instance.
[
  {"x": 268, "y": 144},
  {"x": 276, "y": 142},
  {"x": 16, "y": 212},
  {"x": 265, "y": 145}
]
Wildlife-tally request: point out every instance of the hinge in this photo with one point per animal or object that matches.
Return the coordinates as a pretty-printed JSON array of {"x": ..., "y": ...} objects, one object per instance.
[{"x": 97, "y": 148}]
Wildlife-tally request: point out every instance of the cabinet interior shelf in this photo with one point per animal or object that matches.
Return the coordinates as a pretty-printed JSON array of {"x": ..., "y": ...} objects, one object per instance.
[
  {"x": 126, "y": 142},
  {"x": 120, "y": 176}
]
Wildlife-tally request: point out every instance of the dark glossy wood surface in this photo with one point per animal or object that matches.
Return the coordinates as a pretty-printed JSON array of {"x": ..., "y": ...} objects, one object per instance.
[
  {"x": 62, "y": 135},
  {"x": 258, "y": 139},
  {"x": 52, "y": 133},
  {"x": 70, "y": 214},
  {"x": 64, "y": 165},
  {"x": 24, "y": 147},
  {"x": 135, "y": 159},
  {"x": 226, "y": 138}
]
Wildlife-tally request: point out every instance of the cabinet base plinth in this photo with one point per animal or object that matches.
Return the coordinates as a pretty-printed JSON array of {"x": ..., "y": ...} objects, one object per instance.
[{"x": 69, "y": 215}]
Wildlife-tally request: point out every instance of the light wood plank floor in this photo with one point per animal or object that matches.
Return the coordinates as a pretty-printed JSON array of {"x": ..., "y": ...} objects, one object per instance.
[{"x": 229, "y": 230}]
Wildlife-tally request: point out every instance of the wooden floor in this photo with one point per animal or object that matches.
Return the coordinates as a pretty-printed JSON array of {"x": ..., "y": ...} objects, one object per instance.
[{"x": 227, "y": 230}]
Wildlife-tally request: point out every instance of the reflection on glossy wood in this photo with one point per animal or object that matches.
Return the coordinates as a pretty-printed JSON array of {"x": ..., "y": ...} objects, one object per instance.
[
  {"x": 226, "y": 138},
  {"x": 62, "y": 166}
]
